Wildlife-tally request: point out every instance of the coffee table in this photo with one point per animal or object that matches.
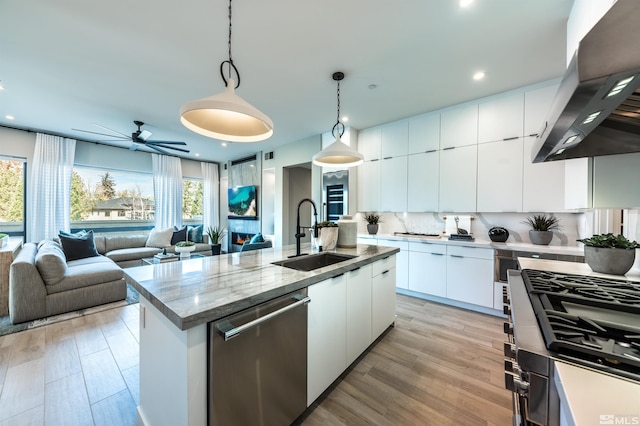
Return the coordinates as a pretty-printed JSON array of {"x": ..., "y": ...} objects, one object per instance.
[{"x": 149, "y": 260}]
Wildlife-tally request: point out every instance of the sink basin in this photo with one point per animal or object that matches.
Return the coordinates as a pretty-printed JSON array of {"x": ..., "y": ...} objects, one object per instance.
[{"x": 314, "y": 261}]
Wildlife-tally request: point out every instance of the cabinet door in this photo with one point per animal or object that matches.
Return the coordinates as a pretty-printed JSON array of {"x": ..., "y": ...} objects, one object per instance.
[
  {"x": 326, "y": 340},
  {"x": 401, "y": 262},
  {"x": 358, "y": 312},
  {"x": 501, "y": 118},
  {"x": 458, "y": 169},
  {"x": 383, "y": 302},
  {"x": 369, "y": 186},
  {"x": 470, "y": 279},
  {"x": 542, "y": 183},
  {"x": 537, "y": 104},
  {"x": 394, "y": 139},
  {"x": 393, "y": 184},
  {"x": 500, "y": 176},
  {"x": 369, "y": 143},
  {"x": 428, "y": 273},
  {"x": 423, "y": 182},
  {"x": 459, "y": 126},
  {"x": 424, "y": 133}
]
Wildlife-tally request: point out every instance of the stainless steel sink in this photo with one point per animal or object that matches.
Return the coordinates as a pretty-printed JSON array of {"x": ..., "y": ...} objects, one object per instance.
[{"x": 314, "y": 261}]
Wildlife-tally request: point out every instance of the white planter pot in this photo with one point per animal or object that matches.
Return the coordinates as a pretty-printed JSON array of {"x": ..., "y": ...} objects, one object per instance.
[
  {"x": 327, "y": 238},
  {"x": 185, "y": 252},
  {"x": 4, "y": 241}
]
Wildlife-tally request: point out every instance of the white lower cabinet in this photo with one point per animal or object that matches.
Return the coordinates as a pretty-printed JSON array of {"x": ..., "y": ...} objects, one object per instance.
[
  {"x": 345, "y": 315},
  {"x": 402, "y": 260},
  {"x": 428, "y": 268},
  {"x": 470, "y": 275}
]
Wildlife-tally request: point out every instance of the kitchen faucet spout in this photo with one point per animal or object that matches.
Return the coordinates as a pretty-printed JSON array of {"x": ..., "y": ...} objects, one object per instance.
[{"x": 299, "y": 233}]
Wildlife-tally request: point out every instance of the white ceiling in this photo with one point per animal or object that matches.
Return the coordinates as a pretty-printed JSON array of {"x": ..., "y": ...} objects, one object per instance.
[{"x": 72, "y": 63}]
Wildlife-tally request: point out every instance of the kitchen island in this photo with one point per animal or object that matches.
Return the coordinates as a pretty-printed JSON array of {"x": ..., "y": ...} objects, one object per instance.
[{"x": 179, "y": 299}]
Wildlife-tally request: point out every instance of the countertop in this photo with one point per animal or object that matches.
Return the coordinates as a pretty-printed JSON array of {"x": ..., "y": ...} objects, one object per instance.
[
  {"x": 481, "y": 243},
  {"x": 196, "y": 291}
]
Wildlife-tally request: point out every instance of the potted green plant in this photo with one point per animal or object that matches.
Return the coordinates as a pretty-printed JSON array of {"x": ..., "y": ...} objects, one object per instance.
[
  {"x": 327, "y": 235},
  {"x": 4, "y": 240},
  {"x": 609, "y": 254},
  {"x": 216, "y": 234},
  {"x": 373, "y": 219},
  {"x": 541, "y": 228},
  {"x": 185, "y": 248}
]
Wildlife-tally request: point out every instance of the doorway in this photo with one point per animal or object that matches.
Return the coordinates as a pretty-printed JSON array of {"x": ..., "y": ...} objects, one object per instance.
[{"x": 296, "y": 186}]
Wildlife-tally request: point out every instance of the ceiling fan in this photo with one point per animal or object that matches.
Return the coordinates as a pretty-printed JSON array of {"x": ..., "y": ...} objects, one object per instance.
[{"x": 139, "y": 137}]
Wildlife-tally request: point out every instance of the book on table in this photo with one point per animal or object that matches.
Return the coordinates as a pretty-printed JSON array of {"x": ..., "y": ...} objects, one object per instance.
[{"x": 158, "y": 258}]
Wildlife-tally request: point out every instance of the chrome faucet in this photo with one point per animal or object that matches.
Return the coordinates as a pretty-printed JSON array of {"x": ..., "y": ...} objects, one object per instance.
[{"x": 299, "y": 233}]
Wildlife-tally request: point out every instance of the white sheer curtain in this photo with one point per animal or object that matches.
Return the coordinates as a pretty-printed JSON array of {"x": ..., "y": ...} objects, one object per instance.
[
  {"x": 211, "y": 196},
  {"x": 49, "y": 202},
  {"x": 167, "y": 190}
]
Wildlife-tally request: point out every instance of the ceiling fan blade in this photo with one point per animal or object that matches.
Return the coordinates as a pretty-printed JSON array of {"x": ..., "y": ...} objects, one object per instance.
[
  {"x": 102, "y": 134},
  {"x": 168, "y": 147},
  {"x": 168, "y": 142},
  {"x": 113, "y": 131},
  {"x": 160, "y": 150},
  {"x": 133, "y": 147}
]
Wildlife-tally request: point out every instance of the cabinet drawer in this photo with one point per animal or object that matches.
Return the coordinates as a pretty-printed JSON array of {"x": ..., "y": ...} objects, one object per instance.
[
  {"x": 427, "y": 247},
  {"x": 477, "y": 253},
  {"x": 383, "y": 265}
]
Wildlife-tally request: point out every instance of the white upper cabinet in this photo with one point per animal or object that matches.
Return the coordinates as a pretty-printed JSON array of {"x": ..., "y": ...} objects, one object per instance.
[
  {"x": 537, "y": 104},
  {"x": 458, "y": 168},
  {"x": 500, "y": 176},
  {"x": 369, "y": 143},
  {"x": 424, "y": 133},
  {"x": 501, "y": 118},
  {"x": 368, "y": 198},
  {"x": 394, "y": 139},
  {"x": 423, "y": 182},
  {"x": 393, "y": 184},
  {"x": 459, "y": 126},
  {"x": 542, "y": 183}
]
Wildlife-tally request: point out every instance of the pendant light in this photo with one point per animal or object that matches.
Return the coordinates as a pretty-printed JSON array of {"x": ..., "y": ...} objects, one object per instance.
[
  {"x": 227, "y": 116},
  {"x": 338, "y": 154}
]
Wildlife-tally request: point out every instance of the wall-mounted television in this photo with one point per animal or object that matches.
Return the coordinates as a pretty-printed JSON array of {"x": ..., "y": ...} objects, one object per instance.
[{"x": 243, "y": 203}]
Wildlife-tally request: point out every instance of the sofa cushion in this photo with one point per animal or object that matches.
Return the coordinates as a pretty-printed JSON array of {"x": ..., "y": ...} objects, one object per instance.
[
  {"x": 78, "y": 247},
  {"x": 121, "y": 255},
  {"x": 179, "y": 234},
  {"x": 159, "y": 238},
  {"x": 195, "y": 233},
  {"x": 51, "y": 262},
  {"x": 124, "y": 241},
  {"x": 100, "y": 241},
  {"x": 87, "y": 272}
]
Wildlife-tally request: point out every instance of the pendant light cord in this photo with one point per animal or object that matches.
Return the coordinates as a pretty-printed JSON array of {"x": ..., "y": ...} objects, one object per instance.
[
  {"x": 229, "y": 62},
  {"x": 338, "y": 126}
]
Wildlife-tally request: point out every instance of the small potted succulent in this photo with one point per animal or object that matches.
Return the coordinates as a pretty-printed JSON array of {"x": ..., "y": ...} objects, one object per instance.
[
  {"x": 327, "y": 235},
  {"x": 609, "y": 254},
  {"x": 216, "y": 234},
  {"x": 541, "y": 228},
  {"x": 373, "y": 219},
  {"x": 185, "y": 248}
]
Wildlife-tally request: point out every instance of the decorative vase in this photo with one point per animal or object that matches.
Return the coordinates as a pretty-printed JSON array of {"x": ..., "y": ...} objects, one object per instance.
[
  {"x": 498, "y": 234},
  {"x": 185, "y": 252},
  {"x": 347, "y": 232},
  {"x": 328, "y": 237},
  {"x": 541, "y": 238},
  {"x": 372, "y": 228},
  {"x": 614, "y": 261},
  {"x": 215, "y": 249}
]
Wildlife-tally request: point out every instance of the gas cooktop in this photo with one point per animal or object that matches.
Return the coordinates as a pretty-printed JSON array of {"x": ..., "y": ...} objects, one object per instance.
[{"x": 591, "y": 320}]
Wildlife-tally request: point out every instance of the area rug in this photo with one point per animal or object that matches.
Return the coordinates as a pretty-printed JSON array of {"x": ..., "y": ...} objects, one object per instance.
[{"x": 7, "y": 328}]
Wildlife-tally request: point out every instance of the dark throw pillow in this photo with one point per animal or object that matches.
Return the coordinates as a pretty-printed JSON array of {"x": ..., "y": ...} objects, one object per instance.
[
  {"x": 179, "y": 234},
  {"x": 78, "y": 247},
  {"x": 195, "y": 233}
]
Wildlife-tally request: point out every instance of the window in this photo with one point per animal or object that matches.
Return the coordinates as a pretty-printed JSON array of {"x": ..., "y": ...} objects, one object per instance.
[
  {"x": 12, "y": 190},
  {"x": 192, "y": 194},
  {"x": 105, "y": 198}
]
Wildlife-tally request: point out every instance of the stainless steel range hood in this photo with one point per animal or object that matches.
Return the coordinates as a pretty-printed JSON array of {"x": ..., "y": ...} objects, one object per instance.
[{"x": 596, "y": 110}]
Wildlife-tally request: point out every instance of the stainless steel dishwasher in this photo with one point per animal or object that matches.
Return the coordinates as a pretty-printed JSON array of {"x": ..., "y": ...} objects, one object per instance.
[{"x": 257, "y": 372}]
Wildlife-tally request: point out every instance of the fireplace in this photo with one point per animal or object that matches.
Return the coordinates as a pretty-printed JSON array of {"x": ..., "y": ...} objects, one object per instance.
[{"x": 238, "y": 238}]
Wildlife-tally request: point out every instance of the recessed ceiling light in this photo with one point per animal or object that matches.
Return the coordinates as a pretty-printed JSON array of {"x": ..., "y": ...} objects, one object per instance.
[
  {"x": 479, "y": 75},
  {"x": 1, "y": 86},
  {"x": 223, "y": 144},
  {"x": 9, "y": 117},
  {"x": 197, "y": 154},
  {"x": 345, "y": 118},
  {"x": 465, "y": 3}
]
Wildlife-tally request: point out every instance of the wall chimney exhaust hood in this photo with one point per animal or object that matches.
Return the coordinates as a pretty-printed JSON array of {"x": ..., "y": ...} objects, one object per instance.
[{"x": 596, "y": 110}]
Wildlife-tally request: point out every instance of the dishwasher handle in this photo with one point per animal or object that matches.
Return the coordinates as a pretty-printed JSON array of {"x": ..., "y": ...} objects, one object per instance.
[{"x": 235, "y": 331}]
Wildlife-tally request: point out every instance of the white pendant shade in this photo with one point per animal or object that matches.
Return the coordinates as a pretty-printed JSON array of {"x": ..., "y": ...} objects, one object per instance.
[
  {"x": 338, "y": 154},
  {"x": 226, "y": 116}
]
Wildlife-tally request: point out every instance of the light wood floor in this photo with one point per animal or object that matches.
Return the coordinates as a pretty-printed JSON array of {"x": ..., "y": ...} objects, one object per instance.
[{"x": 439, "y": 366}]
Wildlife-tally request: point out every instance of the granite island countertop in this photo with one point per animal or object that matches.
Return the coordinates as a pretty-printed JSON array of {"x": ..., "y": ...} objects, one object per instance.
[{"x": 196, "y": 291}]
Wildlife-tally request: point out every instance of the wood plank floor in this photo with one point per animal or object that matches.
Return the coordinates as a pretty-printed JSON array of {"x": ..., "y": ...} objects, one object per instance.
[{"x": 439, "y": 366}]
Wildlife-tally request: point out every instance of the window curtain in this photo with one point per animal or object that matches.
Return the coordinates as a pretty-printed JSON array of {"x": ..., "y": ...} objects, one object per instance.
[
  {"x": 211, "y": 194},
  {"x": 49, "y": 200},
  {"x": 167, "y": 190}
]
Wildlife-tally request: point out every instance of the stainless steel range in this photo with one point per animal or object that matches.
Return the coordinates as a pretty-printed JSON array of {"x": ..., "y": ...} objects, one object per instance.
[{"x": 589, "y": 321}]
